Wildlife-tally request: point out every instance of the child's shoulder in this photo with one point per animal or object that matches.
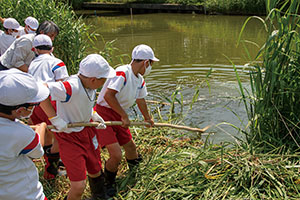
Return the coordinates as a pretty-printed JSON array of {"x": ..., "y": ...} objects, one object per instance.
[
  {"x": 123, "y": 68},
  {"x": 17, "y": 129}
]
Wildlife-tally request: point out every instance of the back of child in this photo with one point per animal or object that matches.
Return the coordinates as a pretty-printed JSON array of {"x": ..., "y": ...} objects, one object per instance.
[
  {"x": 79, "y": 149},
  {"x": 18, "y": 142},
  {"x": 47, "y": 68}
]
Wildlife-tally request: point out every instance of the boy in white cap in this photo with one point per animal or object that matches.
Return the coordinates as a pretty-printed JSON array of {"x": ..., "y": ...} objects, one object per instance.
[
  {"x": 31, "y": 25},
  {"x": 78, "y": 147},
  {"x": 18, "y": 142},
  {"x": 46, "y": 68},
  {"x": 8, "y": 36},
  {"x": 117, "y": 95}
]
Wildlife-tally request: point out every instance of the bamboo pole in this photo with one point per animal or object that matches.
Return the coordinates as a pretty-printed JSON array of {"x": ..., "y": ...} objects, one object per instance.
[{"x": 118, "y": 123}]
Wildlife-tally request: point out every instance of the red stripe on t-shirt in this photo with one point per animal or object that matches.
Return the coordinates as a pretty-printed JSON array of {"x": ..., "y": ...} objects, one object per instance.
[
  {"x": 120, "y": 73},
  {"x": 143, "y": 84},
  {"x": 32, "y": 144},
  {"x": 68, "y": 90},
  {"x": 61, "y": 64}
]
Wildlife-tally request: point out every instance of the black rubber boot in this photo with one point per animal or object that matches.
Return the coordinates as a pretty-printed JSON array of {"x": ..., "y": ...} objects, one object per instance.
[
  {"x": 110, "y": 182},
  {"x": 97, "y": 186},
  {"x": 52, "y": 160},
  {"x": 133, "y": 164}
]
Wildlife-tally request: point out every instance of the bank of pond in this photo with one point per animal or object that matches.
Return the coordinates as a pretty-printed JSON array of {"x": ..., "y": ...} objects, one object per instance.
[{"x": 179, "y": 167}]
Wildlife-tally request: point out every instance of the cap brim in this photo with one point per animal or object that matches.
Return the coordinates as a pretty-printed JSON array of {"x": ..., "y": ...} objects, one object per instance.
[
  {"x": 43, "y": 93},
  {"x": 20, "y": 28},
  {"x": 155, "y": 59}
]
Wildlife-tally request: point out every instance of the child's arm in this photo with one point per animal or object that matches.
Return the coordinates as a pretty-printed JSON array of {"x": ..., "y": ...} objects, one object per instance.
[
  {"x": 144, "y": 110},
  {"x": 57, "y": 121},
  {"x": 110, "y": 98},
  {"x": 2, "y": 20}
]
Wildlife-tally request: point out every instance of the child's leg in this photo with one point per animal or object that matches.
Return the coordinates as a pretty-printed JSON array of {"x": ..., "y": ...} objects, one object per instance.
[
  {"x": 76, "y": 190},
  {"x": 111, "y": 167},
  {"x": 52, "y": 158},
  {"x": 115, "y": 156},
  {"x": 97, "y": 186},
  {"x": 130, "y": 150},
  {"x": 132, "y": 157}
]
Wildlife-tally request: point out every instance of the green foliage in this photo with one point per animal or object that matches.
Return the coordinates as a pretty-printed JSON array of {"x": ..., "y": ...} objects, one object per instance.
[
  {"x": 76, "y": 4},
  {"x": 235, "y": 6},
  {"x": 72, "y": 41},
  {"x": 273, "y": 102}
]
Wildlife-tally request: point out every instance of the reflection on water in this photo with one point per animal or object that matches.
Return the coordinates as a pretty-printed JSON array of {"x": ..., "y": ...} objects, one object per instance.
[{"x": 189, "y": 46}]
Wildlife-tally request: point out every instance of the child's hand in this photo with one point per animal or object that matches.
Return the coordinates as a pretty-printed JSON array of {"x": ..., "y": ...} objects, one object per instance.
[
  {"x": 97, "y": 118},
  {"x": 150, "y": 121},
  {"x": 60, "y": 124},
  {"x": 125, "y": 122}
]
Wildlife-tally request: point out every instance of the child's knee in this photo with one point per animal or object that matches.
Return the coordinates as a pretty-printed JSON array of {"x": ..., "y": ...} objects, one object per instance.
[{"x": 116, "y": 157}]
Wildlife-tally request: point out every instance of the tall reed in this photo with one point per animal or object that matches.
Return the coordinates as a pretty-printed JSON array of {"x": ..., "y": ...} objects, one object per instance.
[{"x": 273, "y": 102}]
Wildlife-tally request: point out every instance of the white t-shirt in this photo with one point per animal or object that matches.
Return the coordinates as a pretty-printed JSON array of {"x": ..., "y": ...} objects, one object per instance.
[
  {"x": 129, "y": 87},
  {"x": 5, "y": 41},
  {"x": 19, "y": 177},
  {"x": 19, "y": 52},
  {"x": 74, "y": 102},
  {"x": 47, "y": 68}
]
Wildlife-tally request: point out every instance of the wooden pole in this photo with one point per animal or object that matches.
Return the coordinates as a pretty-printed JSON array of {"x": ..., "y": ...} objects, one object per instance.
[{"x": 118, "y": 123}]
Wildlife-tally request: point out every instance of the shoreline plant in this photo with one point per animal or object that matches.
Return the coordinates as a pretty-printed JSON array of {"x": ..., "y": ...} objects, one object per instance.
[{"x": 272, "y": 103}]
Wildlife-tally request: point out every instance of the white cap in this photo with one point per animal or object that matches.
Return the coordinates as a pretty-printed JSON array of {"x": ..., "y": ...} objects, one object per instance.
[
  {"x": 94, "y": 65},
  {"x": 32, "y": 22},
  {"x": 42, "y": 40},
  {"x": 17, "y": 87},
  {"x": 11, "y": 23},
  {"x": 143, "y": 52}
]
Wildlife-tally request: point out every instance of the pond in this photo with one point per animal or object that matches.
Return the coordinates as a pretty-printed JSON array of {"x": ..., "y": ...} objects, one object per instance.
[{"x": 190, "y": 46}]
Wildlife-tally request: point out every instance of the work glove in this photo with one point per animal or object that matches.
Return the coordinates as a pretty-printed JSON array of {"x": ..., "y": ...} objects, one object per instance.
[
  {"x": 60, "y": 124},
  {"x": 96, "y": 118}
]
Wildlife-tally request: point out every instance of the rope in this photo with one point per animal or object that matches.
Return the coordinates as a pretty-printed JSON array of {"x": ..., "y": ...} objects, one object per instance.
[{"x": 118, "y": 123}]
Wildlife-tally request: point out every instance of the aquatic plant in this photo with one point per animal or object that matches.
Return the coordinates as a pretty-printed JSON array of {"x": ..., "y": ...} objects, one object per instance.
[{"x": 272, "y": 103}]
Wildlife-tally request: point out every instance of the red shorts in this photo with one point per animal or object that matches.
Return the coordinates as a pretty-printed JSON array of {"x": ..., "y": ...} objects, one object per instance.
[
  {"x": 112, "y": 134},
  {"x": 78, "y": 153},
  {"x": 38, "y": 116}
]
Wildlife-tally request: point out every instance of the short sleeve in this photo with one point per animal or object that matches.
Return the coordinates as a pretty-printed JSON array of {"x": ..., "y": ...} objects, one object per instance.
[
  {"x": 117, "y": 82},
  {"x": 34, "y": 148},
  {"x": 60, "y": 71},
  {"x": 60, "y": 91}
]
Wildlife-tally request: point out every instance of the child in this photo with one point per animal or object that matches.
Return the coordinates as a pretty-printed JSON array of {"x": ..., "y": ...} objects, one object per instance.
[
  {"x": 19, "y": 143},
  {"x": 31, "y": 25},
  {"x": 8, "y": 36},
  {"x": 117, "y": 95},
  {"x": 46, "y": 68},
  {"x": 78, "y": 147}
]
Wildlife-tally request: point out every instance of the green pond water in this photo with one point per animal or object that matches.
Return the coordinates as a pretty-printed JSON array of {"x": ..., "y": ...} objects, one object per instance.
[{"x": 189, "y": 46}]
